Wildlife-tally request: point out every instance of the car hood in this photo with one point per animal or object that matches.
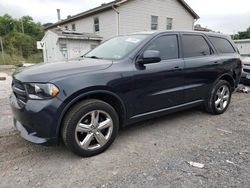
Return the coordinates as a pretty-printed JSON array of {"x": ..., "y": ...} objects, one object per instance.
[{"x": 46, "y": 72}]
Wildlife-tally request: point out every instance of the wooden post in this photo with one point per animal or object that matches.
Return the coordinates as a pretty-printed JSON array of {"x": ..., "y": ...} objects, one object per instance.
[{"x": 1, "y": 43}]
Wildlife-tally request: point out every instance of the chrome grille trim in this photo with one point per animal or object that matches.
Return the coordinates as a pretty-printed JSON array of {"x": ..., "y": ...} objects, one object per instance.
[{"x": 19, "y": 91}]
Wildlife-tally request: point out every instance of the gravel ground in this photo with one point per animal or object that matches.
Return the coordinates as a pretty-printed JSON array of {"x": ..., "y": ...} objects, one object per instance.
[{"x": 148, "y": 154}]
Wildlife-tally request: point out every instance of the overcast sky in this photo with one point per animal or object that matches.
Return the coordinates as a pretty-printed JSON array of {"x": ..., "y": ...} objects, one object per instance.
[{"x": 219, "y": 15}]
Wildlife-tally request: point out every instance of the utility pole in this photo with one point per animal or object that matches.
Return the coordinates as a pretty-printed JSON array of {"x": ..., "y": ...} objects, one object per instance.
[
  {"x": 22, "y": 25},
  {"x": 1, "y": 43}
]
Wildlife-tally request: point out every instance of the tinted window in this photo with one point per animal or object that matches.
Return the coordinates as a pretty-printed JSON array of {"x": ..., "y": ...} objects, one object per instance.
[
  {"x": 195, "y": 46},
  {"x": 166, "y": 45},
  {"x": 222, "y": 45}
]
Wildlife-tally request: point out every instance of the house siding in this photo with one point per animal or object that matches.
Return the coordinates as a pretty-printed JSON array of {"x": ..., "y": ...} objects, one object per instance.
[
  {"x": 51, "y": 52},
  {"x": 243, "y": 46},
  {"x": 135, "y": 15},
  {"x": 107, "y": 23}
]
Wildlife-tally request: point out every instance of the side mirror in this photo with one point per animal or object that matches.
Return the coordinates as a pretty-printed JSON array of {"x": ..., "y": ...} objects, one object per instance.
[{"x": 151, "y": 56}]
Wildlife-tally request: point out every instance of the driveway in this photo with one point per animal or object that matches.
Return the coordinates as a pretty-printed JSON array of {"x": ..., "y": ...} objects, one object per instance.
[{"x": 154, "y": 153}]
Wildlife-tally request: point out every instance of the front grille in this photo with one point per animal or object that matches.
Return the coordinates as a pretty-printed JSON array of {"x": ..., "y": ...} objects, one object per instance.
[
  {"x": 19, "y": 91},
  {"x": 246, "y": 70}
]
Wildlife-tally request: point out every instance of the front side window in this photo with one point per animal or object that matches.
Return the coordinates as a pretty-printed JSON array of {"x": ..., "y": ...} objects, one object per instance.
[
  {"x": 96, "y": 25},
  {"x": 116, "y": 48},
  {"x": 166, "y": 45},
  {"x": 222, "y": 45},
  {"x": 169, "y": 24},
  {"x": 154, "y": 22},
  {"x": 195, "y": 46}
]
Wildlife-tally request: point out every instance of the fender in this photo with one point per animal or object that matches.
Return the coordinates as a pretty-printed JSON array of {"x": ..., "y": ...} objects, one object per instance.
[
  {"x": 231, "y": 81},
  {"x": 81, "y": 96}
]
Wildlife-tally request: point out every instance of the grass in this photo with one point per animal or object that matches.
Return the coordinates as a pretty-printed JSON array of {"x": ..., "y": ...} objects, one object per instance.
[{"x": 17, "y": 59}]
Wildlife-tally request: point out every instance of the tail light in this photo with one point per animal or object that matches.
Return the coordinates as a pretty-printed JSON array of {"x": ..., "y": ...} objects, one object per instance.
[{"x": 241, "y": 62}]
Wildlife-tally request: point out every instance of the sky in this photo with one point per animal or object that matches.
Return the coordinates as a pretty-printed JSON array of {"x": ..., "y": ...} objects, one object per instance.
[{"x": 226, "y": 16}]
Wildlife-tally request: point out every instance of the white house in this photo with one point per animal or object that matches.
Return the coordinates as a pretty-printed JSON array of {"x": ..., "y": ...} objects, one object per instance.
[
  {"x": 63, "y": 45},
  {"x": 121, "y": 17},
  {"x": 244, "y": 46}
]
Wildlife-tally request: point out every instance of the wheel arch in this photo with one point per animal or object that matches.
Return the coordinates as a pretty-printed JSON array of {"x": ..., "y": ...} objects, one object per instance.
[
  {"x": 107, "y": 96},
  {"x": 229, "y": 78}
]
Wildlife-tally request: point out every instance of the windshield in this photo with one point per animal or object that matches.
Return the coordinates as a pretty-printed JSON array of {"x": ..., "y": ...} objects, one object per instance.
[{"x": 116, "y": 48}]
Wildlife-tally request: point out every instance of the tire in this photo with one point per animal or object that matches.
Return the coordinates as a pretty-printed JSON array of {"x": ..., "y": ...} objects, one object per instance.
[
  {"x": 218, "y": 102},
  {"x": 90, "y": 127}
]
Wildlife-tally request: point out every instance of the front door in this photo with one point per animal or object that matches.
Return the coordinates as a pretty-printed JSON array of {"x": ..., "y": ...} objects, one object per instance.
[{"x": 160, "y": 85}]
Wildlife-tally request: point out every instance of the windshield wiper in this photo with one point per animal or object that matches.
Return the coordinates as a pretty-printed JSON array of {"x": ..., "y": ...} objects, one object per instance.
[{"x": 94, "y": 57}]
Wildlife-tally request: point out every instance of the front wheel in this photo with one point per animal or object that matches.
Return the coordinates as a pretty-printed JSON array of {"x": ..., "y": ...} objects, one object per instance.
[
  {"x": 90, "y": 127},
  {"x": 219, "y": 98}
]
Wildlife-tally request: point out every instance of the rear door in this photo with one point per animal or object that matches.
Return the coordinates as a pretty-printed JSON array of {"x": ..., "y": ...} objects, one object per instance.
[
  {"x": 201, "y": 66},
  {"x": 229, "y": 56}
]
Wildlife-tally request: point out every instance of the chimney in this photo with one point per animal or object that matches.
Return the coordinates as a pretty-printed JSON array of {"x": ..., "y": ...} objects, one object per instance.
[{"x": 58, "y": 15}]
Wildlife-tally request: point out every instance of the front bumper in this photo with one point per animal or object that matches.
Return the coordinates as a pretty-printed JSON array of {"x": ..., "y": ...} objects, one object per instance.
[
  {"x": 37, "y": 120},
  {"x": 31, "y": 137}
]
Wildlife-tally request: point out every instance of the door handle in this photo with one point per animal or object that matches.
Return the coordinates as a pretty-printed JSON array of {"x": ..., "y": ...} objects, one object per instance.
[{"x": 177, "y": 67}]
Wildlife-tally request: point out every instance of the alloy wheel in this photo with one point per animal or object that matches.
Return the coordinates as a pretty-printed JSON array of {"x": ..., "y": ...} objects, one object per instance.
[
  {"x": 94, "y": 130},
  {"x": 222, "y": 97}
]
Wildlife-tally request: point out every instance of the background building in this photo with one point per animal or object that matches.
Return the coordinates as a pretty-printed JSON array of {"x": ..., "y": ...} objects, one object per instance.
[
  {"x": 63, "y": 45},
  {"x": 198, "y": 27},
  {"x": 244, "y": 46},
  {"x": 129, "y": 16}
]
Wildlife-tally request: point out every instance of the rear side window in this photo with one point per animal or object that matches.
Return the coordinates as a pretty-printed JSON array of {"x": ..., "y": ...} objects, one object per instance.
[
  {"x": 222, "y": 45},
  {"x": 166, "y": 45},
  {"x": 195, "y": 46}
]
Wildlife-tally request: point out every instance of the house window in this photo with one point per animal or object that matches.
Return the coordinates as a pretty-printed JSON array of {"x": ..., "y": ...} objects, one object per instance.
[
  {"x": 63, "y": 47},
  {"x": 73, "y": 26},
  {"x": 96, "y": 25},
  {"x": 66, "y": 27},
  {"x": 154, "y": 22},
  {"x": 169, "y": 24},
  {"x": 92, "y": 46}
]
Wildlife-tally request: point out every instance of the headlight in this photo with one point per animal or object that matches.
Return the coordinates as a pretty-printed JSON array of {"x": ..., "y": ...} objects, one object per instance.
[{"x": 41, "y": 91}]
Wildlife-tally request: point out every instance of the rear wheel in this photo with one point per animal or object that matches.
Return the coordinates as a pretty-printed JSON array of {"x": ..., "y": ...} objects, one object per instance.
[
  {"x": 90, "y": 127},
  {"x": 219, "y": 98}
]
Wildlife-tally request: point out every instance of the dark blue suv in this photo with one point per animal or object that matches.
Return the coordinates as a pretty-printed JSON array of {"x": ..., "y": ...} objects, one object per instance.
[{"x": 124, "y": 80}]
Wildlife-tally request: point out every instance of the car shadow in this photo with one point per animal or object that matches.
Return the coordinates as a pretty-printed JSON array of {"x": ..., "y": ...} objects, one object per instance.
[
  {"x": 160, "y": 121},
  {"x": 60, "y": 152}
]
